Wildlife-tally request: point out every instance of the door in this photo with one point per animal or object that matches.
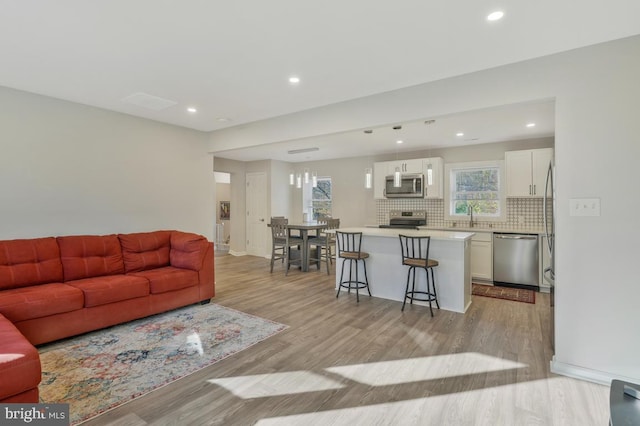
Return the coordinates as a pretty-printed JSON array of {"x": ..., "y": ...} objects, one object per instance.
[{"x": 256, "y": 202}]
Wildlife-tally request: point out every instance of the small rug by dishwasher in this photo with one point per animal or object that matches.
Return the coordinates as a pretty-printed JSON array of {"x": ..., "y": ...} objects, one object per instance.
[
  {"x": 106, "y": 368},
  {"x": 506, "y": 293}
]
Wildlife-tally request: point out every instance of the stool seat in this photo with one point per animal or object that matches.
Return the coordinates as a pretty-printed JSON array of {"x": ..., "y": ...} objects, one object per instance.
[
  {"x": 415, "y": 254},
  {"x": 354, "y": 255},
  {"x": 420, "y": 263},
  {"x": 348, "y": 244}
]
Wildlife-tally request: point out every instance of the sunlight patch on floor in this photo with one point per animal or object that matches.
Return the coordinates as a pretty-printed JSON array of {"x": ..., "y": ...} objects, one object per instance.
[
  {"x": 521, "y": 403},
  {"x": 274, "y": 384},
  {"x": 424, "y": 368}
]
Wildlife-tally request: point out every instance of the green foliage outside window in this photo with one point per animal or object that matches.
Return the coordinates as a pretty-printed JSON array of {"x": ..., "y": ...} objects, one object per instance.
[
  {"x": 478, "y": 188},
  {"x": 321, "y": 198}
]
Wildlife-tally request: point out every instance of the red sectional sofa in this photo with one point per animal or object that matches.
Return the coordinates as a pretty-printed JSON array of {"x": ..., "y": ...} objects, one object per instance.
[{"x": 52, "y": 288}]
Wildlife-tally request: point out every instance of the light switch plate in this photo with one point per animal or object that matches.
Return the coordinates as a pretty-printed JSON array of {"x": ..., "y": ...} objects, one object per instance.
[{"x": 584, "y": 207}]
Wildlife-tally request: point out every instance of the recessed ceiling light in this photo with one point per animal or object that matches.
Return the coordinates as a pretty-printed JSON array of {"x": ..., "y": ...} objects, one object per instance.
[
  {"x": 459, "y": 134},
  {"x": 192, "y": 110},
  {"x": 531, "y": 124},
  {"x": 223, "y": 119},
  {"x": 399, "y": 142},
  {"x": 368, "y": 131},
  {"x": 294, "y": 80},
  {"x": 495, "y": 16}
]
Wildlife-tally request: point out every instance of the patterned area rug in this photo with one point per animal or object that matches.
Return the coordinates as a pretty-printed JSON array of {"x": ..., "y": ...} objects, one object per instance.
[
  {"x": 103, "y": 369},
  {"x": 506, "y": 293}
]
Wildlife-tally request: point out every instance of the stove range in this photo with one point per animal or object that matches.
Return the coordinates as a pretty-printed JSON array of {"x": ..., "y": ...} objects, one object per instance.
[{"x": 406, "y": 219}]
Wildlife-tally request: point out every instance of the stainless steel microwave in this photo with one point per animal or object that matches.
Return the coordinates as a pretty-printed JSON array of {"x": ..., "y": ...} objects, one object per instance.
[{"x": 411, "y": 186}]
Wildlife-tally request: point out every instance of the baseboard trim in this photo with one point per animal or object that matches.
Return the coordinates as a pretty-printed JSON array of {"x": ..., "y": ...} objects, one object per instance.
[
  {"x": 237, "y": 253},
  {"x": 595, "y": 376}
]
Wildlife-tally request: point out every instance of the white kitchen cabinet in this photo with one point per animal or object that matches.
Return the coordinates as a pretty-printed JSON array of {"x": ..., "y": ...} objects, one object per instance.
[
  {"x": 405, "y": 166},
  {"x": 545, "y": 262},
  {"x": 379, "y": 175},
  {"x": 526, "y": 171},
  {"x": 382, "y": 169},
  {"x": 482, "y": 256},
  {"x": 433, "y": 185}
]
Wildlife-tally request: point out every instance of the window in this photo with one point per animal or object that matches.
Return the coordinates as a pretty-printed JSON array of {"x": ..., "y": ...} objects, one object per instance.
[
  {"x": 321, "y": 199},
  {"x": 475, "y": 185}
]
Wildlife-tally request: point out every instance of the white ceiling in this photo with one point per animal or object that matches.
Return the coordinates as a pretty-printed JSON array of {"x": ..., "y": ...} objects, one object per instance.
[
  {"x": 232, "y": 59},
  {"x": 478, "y": 127}
]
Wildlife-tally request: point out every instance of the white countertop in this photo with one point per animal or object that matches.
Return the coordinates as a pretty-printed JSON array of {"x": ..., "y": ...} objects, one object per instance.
[
  {"x": 435, "y": 234},
  {"x": 478, "y": 229}
]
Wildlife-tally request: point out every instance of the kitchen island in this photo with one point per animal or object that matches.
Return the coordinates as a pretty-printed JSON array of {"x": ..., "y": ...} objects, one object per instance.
[{"x": 388, "y": 276}]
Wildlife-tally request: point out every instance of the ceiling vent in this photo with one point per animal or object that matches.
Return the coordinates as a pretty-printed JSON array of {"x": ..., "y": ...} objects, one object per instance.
[{"x": 145, "y": 100}]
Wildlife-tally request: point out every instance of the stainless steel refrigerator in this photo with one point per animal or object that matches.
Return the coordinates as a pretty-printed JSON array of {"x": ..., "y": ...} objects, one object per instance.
[{"x": 548, "y": 275}]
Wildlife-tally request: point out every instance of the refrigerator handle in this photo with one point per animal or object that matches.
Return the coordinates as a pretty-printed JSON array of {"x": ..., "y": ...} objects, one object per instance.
[{"x": 544, "y": 208}]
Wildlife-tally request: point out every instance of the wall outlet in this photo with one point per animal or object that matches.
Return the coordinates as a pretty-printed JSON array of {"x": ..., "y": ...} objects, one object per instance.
[{"x": 584, "y": 207}]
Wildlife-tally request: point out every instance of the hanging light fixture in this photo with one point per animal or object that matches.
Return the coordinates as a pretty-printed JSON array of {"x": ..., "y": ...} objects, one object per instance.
[
  {"x": 292, "y": 178},
  {"x": 368, "y": 178},
  {"x": 397, "y": 179},
  {"x": 306, "y": 175},
  {"x": 299, "y": 181},
  {"x": 429, "y": 174},
  {"x": 314, "y": 179}
]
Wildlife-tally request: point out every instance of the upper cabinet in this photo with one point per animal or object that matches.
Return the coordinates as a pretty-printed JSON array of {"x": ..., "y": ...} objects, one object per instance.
[
  {"x": 379, "y": 175},
  {"x": 405, "y": 166},
  {"x": 433, "y": 177},
  {"x": 431, "y": 168},
  {"x": 527, "y": 171}
]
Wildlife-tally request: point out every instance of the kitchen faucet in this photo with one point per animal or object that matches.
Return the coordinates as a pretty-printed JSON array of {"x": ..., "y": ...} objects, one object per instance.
[{"x": 471, "y": 213}]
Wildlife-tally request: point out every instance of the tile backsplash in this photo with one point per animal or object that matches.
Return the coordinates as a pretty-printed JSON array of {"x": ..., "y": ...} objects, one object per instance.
[{"x": 521, "y": 212}]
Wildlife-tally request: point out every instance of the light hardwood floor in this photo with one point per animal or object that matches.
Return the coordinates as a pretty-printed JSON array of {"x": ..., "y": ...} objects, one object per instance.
[{"x": 344, "y": 363}]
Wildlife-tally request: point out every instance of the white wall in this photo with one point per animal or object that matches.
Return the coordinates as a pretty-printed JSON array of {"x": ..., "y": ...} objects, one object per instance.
[
  {"x": 70, "y": 169},
  {"x": 237, "y": 228},
  {"x": 596, "y": 152}
]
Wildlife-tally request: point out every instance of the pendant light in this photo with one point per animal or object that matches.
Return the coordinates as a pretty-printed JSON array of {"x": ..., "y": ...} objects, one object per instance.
[
  {"x": 314, "y": 179},
  {"x": 299, "y": 181},
  {"x": 397, "y": 179},
  {"x": 429, "y": 174},
  {"x": 306, "y": 175},
  {"x": 368, "y": 178},
  {"x": 292, "y": 179}
]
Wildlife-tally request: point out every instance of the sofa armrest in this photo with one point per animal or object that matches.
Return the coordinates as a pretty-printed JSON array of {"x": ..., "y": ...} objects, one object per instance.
[{"x": 187, "y": 250}]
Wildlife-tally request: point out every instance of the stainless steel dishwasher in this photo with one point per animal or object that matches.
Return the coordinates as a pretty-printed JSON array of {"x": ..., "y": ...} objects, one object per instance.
[{"x": 515, "y": 259}]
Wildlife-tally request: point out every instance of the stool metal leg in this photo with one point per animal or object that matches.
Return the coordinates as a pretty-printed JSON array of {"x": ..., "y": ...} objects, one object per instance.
[
  {"x": 366, "y": 279},
  {"x": 406, "y": 290},
  {"x": 433, "y": 284}
]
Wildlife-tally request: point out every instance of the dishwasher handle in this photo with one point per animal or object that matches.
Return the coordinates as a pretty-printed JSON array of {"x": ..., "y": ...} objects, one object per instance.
[{"x": 516, "y": 237}]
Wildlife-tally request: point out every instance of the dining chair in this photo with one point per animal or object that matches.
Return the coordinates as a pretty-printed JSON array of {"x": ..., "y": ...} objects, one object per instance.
[
  {"x": 324, "y": 241},
  {"x": 281, "y": 243}
]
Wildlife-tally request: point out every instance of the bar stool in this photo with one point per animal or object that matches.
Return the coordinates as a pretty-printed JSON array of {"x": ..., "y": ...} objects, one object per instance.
[
  {"x": 415, "y": 254},
  {"x": 349, "y": 244}
]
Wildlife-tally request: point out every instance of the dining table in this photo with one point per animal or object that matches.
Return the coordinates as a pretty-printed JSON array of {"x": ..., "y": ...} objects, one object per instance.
[{"x": 303, "y": 228}]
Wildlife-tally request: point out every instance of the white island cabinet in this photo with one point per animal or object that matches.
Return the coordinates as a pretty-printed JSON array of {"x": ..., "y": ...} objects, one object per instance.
[{"x": 388, "y": 277}]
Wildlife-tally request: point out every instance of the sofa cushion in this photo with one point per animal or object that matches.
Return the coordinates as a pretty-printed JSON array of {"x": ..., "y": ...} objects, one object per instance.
[
  {"x": 162, "y": 280},
  {"x": 24, "y": 303},
  {"x": 111, "y": 288},
  {"x": 29, "y": 262},
  {"x": 20, "y": 368},
  {"x": 86, "y": 256},
  {"x": 187, "y": 250},
  {"x": 145, "y": 250}
]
